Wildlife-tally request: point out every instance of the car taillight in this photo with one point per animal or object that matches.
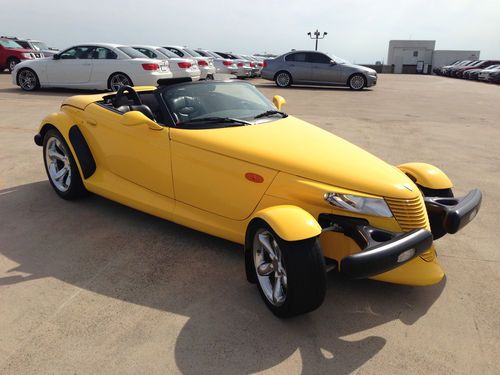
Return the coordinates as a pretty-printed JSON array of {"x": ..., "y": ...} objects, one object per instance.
[
  {"x": 240, "y": 64},
  {"x": 260, "y": 64},
  {"x": 264, "y": 64},
  {"x": 184, "y": 65},
  {"x": 150, "y": 66},
  {"x": 227, "y": 62},
  {"x": 252, "y": 65},
  {"x": 202, "y": 63}
]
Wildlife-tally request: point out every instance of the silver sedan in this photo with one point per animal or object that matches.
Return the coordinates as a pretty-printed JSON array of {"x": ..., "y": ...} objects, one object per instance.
[{"x": 317, "y": 68}]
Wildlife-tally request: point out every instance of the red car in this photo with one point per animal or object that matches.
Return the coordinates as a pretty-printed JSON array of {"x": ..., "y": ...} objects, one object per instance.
[{"x": 12, "y": 53}]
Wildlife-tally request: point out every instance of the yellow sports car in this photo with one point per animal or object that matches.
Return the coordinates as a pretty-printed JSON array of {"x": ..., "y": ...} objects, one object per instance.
[{"x": 221, "y": 158}]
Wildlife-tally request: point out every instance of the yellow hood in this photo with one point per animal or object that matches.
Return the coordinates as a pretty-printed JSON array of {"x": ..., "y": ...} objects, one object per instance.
[{"x": 297, "y": 147}]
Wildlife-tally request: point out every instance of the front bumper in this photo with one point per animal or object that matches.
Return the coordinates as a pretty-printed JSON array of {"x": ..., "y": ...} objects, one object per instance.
[
  {"x": 449, "y": 215},
  {"x": 381, "y": 251},
  {"x": 371, "y": 80}
]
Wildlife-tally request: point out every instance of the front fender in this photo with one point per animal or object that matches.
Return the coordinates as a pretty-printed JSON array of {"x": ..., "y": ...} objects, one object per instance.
[
  {"x": 59, "y": 120},
  {"x": 426, "y": 175},
  {"x": 291, "y": 223}
]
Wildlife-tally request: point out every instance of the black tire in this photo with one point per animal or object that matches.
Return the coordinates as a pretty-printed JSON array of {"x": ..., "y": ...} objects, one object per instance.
[
  {"x": 305, "y": 273},
  {"x": 11, "y": 63},
  {"x": 283, "y": 79},
  {"x": 27, "y": 79},
  {"x": 357, "y": 82},
  {"x": 126, "y": 80},
  {"x": 75, "y": 188},
  {"x": 436, "y": 223}
]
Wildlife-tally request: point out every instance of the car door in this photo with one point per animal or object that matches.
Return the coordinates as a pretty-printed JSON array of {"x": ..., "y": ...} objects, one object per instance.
[
  {"x": 104, "y": 63},
  {"x": 72, "y": 66},
  {"x": 135, "y": 153},
  {"x": 323, "y": 70},
  {"x": 298, "y": 66}
]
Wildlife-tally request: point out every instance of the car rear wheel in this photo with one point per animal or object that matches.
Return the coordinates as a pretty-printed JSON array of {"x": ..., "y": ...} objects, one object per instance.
[
  {"x": 117, "y": 80},
  {"x": 28, "y": 80},
  {"x": 60, "y": 166},
  {"x": 11, "y": 63},
  {"x": 357, "y": 82},
  {"x": 283, "y": 79},
  {"x": 290, "y": 275}
]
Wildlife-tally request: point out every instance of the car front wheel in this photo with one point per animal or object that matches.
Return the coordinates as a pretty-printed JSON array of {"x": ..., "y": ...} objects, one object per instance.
[
  {"x": 28, "y": 80},
  {"x": 290, "y": 275},
  {"x": 357, "y": 82}
]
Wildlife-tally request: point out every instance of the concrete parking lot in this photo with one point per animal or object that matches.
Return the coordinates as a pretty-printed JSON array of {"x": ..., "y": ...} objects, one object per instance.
[{"x": 94, "y": 287}]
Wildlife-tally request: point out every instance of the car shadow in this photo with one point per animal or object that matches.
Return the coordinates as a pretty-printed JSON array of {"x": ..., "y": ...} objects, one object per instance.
[
  {"x": 311, "y": 88},
  {"x": 115, "y": 251},
  {"x": 49, "y": 91}
]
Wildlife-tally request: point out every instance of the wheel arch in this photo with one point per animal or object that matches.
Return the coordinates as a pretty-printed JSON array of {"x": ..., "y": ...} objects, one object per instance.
[
  {"x": 426, "y": 175},
  {"x": 71, "y": 133},
  {"x": 291, "y": 223}
]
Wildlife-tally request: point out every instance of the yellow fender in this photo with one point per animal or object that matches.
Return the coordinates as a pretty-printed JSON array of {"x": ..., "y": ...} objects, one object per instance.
[
  {"x": 426, "y": 175},
  {"x": 291, "y": 223}
]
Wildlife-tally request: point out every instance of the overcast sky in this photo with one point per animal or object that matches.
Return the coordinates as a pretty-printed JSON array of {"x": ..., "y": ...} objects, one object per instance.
[{"x": 358, "y": 30}]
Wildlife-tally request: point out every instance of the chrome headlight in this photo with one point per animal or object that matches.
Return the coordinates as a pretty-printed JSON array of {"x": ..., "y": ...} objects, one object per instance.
[{"x": 362, "y": 205}]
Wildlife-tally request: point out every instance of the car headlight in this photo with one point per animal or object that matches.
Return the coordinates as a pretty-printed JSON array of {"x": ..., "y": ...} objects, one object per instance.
[
  {"x": 27, "y": 55},
  {"x": 362, "y": 205}
]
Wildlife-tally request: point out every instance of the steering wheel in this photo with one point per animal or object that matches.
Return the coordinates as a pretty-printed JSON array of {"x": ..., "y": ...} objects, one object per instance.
[{"x": 129, "y": 93}]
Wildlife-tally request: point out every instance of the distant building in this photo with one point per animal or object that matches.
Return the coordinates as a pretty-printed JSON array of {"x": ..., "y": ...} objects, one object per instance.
[{"x": 419, "y": 56}]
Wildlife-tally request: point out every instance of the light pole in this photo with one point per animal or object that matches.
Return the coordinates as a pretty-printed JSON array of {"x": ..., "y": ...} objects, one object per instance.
[{"x": 317, "y": 36}]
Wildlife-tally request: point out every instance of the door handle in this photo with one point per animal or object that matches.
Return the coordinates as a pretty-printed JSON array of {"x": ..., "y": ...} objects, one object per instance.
[{"x": 91, "y": 121}]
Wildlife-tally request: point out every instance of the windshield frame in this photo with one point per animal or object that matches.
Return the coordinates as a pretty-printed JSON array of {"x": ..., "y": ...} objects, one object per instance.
[{"x": 212, "y": 125}]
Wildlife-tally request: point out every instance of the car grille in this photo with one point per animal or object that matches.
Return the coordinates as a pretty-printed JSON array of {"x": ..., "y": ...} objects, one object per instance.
[{"x": 411, "y": 214}]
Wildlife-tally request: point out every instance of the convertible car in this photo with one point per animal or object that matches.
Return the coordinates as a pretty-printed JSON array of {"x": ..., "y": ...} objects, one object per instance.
[{"x": 221, "y": 158}]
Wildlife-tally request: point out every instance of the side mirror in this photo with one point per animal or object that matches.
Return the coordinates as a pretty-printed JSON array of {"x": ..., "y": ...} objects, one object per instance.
[
  {"x": 56, "y": 56},
  {"x": 333, "y": 62},
  {"x": 279, "y": 101},
  {"x": 136, "y": 118}
]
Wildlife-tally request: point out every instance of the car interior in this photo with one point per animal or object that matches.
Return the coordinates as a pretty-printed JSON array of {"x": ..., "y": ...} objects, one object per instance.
[{"x": 183, "y": 104}]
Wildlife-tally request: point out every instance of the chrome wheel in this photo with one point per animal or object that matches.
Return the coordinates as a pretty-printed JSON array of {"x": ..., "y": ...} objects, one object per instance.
[
  {"x": 58, "y": 164},
  {"x": 27, "y": 80},
  {"x": 283, "y": 79},
  {"x": 357, "y": 82},
  {"x": 119, "y": 80},
  {"x": 271, "y": 273}
]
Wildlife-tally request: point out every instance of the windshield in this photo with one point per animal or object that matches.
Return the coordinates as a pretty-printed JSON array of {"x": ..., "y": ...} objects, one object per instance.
[
  {"x": 215, "y": 100},
  {"x": 168, "y": 53},
  {"x": 337, "y": 59},
  {"x": 40, "y": 46},
  {"x": 9, "y": 44},
  {"x": 131, "y": 52}
]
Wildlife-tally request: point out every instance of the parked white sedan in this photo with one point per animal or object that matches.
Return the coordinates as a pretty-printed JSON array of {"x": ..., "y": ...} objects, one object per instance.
[
  {"x": 179, "y": 66},
  {"x": 91, "y": 66},
  {"x": 205, "y": 64}
]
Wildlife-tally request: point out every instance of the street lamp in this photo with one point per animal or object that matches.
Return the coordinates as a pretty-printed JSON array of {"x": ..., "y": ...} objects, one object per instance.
[{"x": 317, "y": 36}]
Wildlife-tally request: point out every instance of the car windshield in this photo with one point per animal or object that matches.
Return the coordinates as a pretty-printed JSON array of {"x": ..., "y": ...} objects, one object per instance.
[
  {"x": 337, "y": 59},
  {"x": 221, "y": 104},
  {"x": 9, "y": 44},
  {"x": 40, "y": 46},
  {"x": 168, "y": 53},
  {"x": 131, "y": 52}
]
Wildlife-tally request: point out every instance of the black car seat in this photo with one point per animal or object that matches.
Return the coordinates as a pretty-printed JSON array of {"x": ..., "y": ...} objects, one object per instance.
[
  {"x": 186, "y": 107},
  {"x": 144, "y": 109}
]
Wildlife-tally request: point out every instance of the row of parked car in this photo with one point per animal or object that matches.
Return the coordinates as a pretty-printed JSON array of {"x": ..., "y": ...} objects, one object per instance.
[
  {"x": 478, "y": 70},
  {"x": 104, "y": 66}
]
